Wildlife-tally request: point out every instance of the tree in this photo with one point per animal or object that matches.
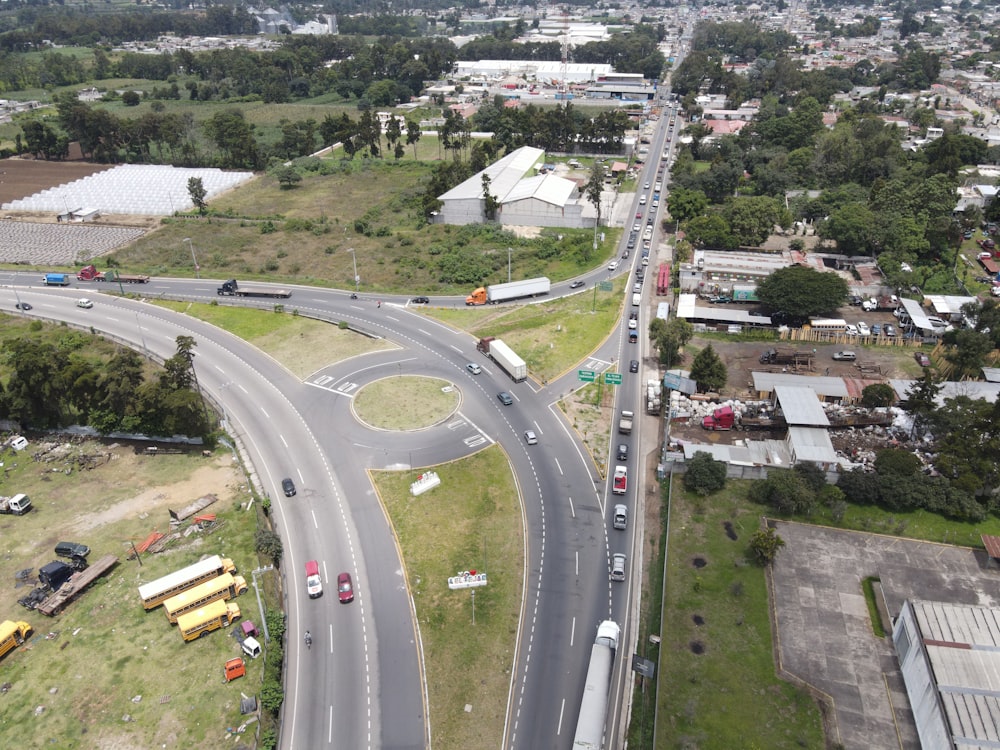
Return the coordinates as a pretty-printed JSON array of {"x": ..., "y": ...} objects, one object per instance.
[
  {"x": 785, "y": 491},
  {"x": 896, "y": 462},
  {"x": 802, "y": 292},
  {"x": 704, "y": 475},
  {"x": 921, "y": 401},
  {"x": 594, "y": 188},
  {"x": 712, "y": 231},
  {"x": 877, "y": 395},
  {"x": 287, "y": 176},
  {"x": 967, "y": 350},
  {"x": 684, "y": 204},
  {"x": 708, "y": 370},
  {"x": 197, "y": 191},
  {"x": 491, "y": 204},
  {"x": 669, "y": 337},
  {"x": 753, "y": 218},
  {"x": 764, "y": 544},
  {"x": 131, "y": 99}
]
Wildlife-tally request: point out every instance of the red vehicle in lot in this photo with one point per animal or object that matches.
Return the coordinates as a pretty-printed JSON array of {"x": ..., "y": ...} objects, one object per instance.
[
  {"x": 345, "y": 588},
  {"x": 922, "y": 359}
]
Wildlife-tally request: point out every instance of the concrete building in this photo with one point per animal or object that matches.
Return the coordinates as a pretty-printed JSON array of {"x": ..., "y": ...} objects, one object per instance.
[
  {"x": 542, "y": 71},
  {"x": 715, "y": 272},
  {"x": 949, "y": 656},
  {"x": 525, "y": 197}
]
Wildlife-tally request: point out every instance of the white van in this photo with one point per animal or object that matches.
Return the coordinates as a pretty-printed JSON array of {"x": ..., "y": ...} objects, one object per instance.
[
  {"x": 636, "y": 299},
  {"x": 642, "y": 199}
]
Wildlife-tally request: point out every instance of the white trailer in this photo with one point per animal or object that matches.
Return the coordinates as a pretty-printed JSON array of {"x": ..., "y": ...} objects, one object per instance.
[
  {"x": 594, "y": 705},
  {"x": 506, "y": 357},
  {"x": 518, "y": 289}
]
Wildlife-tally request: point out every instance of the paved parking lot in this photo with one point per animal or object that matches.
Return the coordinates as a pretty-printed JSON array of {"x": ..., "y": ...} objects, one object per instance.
[{"x": 823, "y": 630}]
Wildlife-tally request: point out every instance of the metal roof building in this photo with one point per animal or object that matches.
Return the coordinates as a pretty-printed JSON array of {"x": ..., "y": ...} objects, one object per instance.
[
  {"x": 951, "y": 389},
  {"x": 826, "y": 388},
  {"x": 525, "y": 198},
  {"x": 800, "y": 406},
  {"x": 949, "y": 656},
  {"x": 689, "y": 310}
]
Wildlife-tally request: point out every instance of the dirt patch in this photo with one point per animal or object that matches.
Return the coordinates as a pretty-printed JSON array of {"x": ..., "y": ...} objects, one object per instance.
[
  {"x": 730, "y": 531},
  {"x": 699, "y": 562},
  {"x": 20, "y": 178},
  {"x": 697, "y": 647},
  {"x": 697, "y": 619}
]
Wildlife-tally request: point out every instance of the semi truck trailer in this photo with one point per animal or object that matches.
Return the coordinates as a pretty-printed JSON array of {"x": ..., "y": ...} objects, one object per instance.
[
  {"x": 232, "y": 289},
  {"x": 505, "y": 357},
  {"x": 594, "y": 704},
  {"x": 495, "y": 293}
]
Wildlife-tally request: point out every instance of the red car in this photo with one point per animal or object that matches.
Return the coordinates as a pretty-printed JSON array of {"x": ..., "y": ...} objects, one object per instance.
[
  {"x": 345, "y": 588},
  {"x": 638, "y": 214},
  {"x": 922, "y": 359}
]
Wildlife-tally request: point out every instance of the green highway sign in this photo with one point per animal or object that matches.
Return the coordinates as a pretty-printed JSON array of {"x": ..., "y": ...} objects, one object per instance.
[
  {"x": 587, "y": 376},
  {"x": 612, "y": 378},
  {"x": 605, "y": 286}
]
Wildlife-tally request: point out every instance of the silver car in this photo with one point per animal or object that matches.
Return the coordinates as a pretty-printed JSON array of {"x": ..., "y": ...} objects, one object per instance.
[{"x": 618, "y": 567}]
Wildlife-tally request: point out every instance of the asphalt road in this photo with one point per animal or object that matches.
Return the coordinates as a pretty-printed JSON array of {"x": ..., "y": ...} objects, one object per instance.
[{"x": 359, "y": 685}]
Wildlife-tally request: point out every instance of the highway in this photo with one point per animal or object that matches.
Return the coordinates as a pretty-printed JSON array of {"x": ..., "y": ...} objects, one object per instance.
[{"x": 360, "y": 685}]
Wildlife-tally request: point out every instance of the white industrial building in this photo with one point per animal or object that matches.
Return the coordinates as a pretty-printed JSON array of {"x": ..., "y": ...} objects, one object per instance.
[
  {"x": 949, "y": 656},
  {"x": 542, "y": 71},
  {"x": 525, "y": 197}
]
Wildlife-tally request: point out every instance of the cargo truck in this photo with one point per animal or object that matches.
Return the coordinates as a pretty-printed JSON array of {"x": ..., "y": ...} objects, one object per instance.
[
  {"x": 17, "y": 505},
  {"x": 620, "y": 485},
  {"x": 12, "y": 635},
  {"x": 56, "y": 279},
  {"x": 594, "y": 704},
  {"x": 232, "y": 289},
  {"x": 90, "y": 273},
  {"x": 625, "y": 423},
  {"x": 505, "y": 357},
  {"x": 653, "y": 389},
  {"x": 495, "y": 293}
]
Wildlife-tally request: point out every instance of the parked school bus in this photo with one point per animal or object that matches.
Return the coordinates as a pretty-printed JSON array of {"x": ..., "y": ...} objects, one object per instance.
[
  {"x": 224, "y": 587},
  {"x": 218, "y": 614},
  {"x": 12, "y": 635},
  {"x": 154, "y": 593}
]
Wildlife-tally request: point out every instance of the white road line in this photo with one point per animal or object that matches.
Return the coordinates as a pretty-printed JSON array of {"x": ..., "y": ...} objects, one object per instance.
[
  {"x": 572, "y": 510},
  {"x": 282, "y": 438},
  {"x": 562, "y": 709},
  {"x": 559, "y": 466},
  {"x": 315, "y": 522},
  {"x": 572, "y": 632}
]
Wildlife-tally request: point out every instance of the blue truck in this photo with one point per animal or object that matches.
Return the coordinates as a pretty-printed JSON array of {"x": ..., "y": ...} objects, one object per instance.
[{"x": 56, "y": 279}]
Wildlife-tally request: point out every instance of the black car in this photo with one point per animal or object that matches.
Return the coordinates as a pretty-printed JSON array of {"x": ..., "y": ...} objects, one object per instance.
[
  {"x": 421, "y": 300},
  {"x": 505, "y": 398},
  {"x": 622, "y": 454},
  {"x": 577, "y": 284},
  {"x": 72, "y": 549},
  {"x": 288, "y": 486},
  {"x": 633, "y": 366},
  {"x": 22, "y": 306}
]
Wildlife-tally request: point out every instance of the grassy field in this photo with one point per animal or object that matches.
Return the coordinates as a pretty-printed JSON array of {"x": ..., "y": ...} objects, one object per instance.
[
  {"x": 471, "y": 521},
  {"x": 717, "y": 682},
  {"x": 427, "y": 401},
  {"x": 301, "y": 344},
  {"x": 105, "y": 673}
]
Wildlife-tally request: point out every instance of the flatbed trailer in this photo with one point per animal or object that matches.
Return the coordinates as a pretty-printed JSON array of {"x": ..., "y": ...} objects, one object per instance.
[{"x": 77, "y": 583}]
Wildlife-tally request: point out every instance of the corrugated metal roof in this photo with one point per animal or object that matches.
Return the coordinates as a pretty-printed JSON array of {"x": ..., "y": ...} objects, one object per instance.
[
  {"x": 962, "y": 644},
  {"x": 766, "y": 382},
  {"x": 951, "y": 389},
  {"x": 801, "y": 406},
  {"x": 812, "y": 444},
  {"x": 547, "y": 188},
  {"x": 992, "y": 374},
  {"x": 504, "y": 175}
]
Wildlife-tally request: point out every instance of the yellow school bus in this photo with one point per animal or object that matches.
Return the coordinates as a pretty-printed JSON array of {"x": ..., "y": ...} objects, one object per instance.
[
  {"x": 211, "y": 617},
  {"x": 225, "y": 586},
  {"x": 12, "y": 635},
  {"x": 156, "y": 592}
]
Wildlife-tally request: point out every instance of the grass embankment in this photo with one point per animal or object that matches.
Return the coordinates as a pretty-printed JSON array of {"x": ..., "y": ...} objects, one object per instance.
[
  {"x": 427, "y": 402},
  {"x": 717, "y": 682},
  {"x": 471, "y": 521}
]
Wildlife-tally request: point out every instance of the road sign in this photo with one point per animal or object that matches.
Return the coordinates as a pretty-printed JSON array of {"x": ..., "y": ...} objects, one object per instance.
[
  {"x": 605, "y": 286},
  {"x": 586, "y": 376},
  {"x": 612, "y": 378}
]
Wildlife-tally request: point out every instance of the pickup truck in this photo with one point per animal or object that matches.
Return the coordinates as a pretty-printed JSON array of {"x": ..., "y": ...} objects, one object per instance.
[
  {"x": 620, "y": 485},
  {"x": 625, "y": 423}
]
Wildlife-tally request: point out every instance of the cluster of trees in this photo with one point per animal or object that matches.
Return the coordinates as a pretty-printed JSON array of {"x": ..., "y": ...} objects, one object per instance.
[
  {"x": 801, "y": 292},
  {"x": 54, "y": 385}
]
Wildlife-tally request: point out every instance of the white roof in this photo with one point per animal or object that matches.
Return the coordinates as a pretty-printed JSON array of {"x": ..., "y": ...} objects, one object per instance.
[
  {"x": 504, "y": 175},
  {"x": 950, "y": 389},
  {"x": 548, "y": 188},
  {"x": 812, "y": 444},
  {"x": 801, "y": 406},
  {"x": 948, "y": 304},
  {"x": 821, "y": 386}
]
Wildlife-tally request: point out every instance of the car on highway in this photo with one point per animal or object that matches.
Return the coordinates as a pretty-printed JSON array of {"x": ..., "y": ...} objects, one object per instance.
[
  {"x": 23, "y": 306},
  {"x": 420, "y": 300},
  {"x": 288, "y": 487},
  {"x": 505, "y": 398},
  {"x": 637, "y": 227},
  {"x": 345, "y": 588},
  {"x": 618, "y": 567},
  {"x": 922, "y": 359},
  {"x": 638, "y": 214},
  {"x": 613, "y": 265},
  {"x": 577, "y": 284},
  {"x": 84, "y": 303},
  {"x": 633, "y": 365},
  {"x": 473, "y": 368},
  {"x": 314, "y": 584},
  {"x": 530, "y": 437},
  {"x": 645, "y": 186},
  {"x": 622, "y": 453}
]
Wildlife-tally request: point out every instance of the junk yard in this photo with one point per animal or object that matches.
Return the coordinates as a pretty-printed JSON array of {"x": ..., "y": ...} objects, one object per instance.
[{"x": 73, "y": 624}]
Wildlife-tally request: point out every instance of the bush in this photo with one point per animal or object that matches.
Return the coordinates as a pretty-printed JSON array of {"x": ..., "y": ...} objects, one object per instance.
[
  {"x": 785, "y": 491},
  {"x": 704, "y": 474}
]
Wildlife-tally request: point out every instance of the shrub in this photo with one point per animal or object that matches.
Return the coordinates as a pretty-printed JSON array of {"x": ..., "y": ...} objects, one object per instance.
[{"x": 704, "y": 474}]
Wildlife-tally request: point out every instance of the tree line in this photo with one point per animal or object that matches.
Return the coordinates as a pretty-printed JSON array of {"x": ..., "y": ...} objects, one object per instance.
[{"x": 52, "y": 384}]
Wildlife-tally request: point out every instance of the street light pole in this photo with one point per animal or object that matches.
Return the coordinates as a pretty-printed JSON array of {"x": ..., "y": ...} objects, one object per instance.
[
  {"x": 509, "y": 251},
  {"x": 354, "y": 259},
  {"x": 197, "y": 270}
]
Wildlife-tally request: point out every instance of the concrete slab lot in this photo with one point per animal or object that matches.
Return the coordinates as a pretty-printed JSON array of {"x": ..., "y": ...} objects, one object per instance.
[{"x": 824, "y": 634}]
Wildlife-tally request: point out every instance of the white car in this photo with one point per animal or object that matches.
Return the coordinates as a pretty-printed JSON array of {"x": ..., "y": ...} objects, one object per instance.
[
  {"x": 473, "y": 368},
  {"x": 851, "y": 329},
  {"x": 613, "y": 265},
  {"x": 863, "y": 329},
  {"x": 530, "y": 438},
  {"x": 84, "y": 303},
  {"x": 637, "y": 227}
]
